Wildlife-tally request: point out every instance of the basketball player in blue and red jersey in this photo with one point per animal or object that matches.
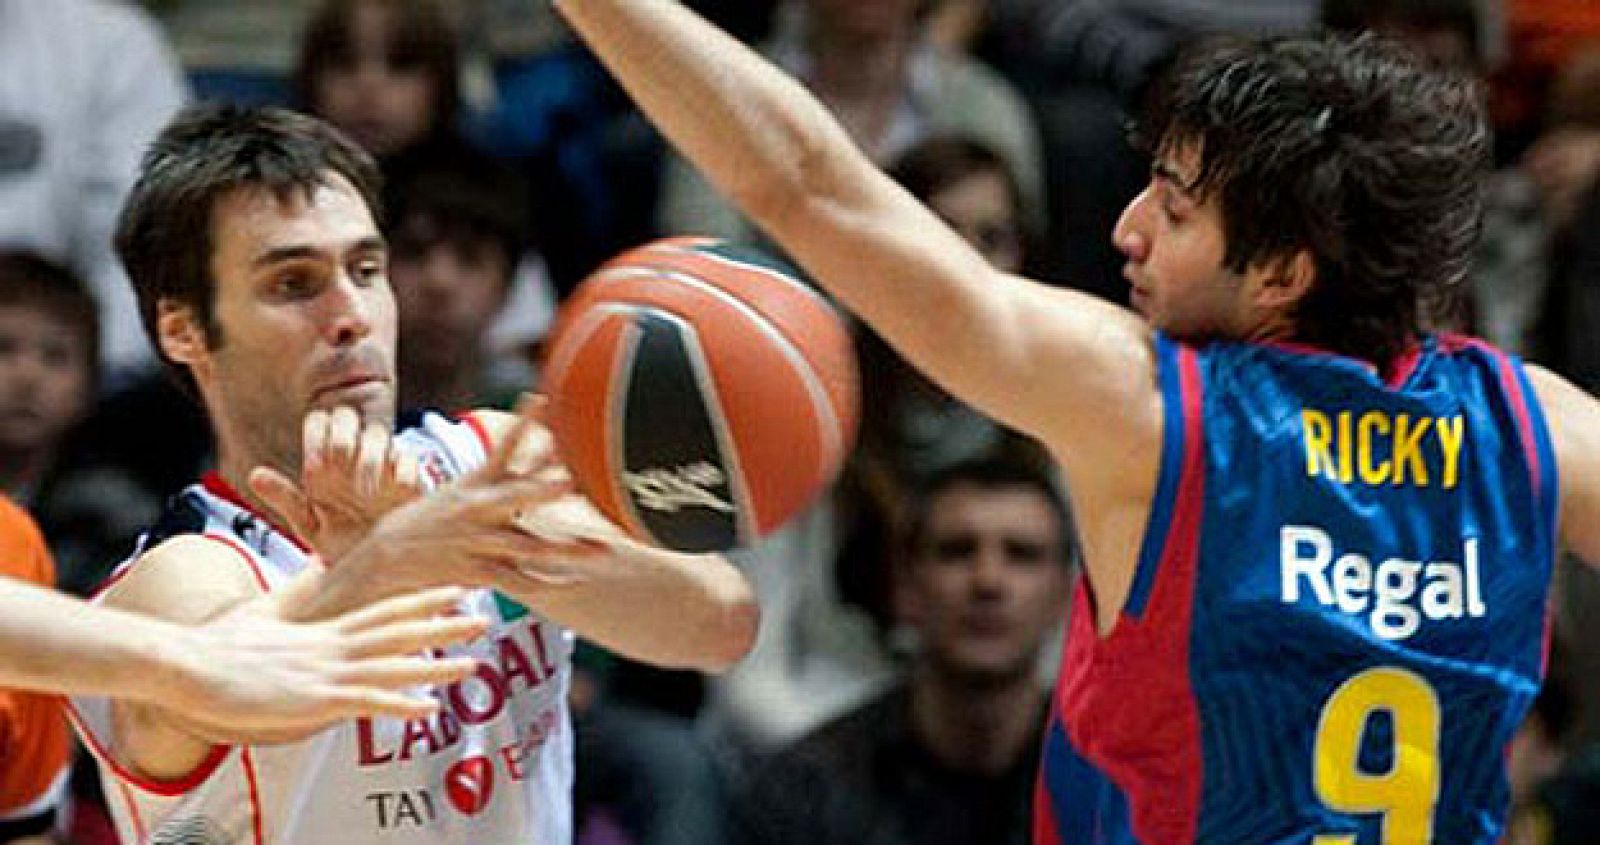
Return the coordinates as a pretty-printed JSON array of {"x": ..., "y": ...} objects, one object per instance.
[{"x": 1318, "y": 536}]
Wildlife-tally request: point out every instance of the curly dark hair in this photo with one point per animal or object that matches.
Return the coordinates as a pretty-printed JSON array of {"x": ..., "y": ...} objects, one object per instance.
[
  {"x": 1350, "y": 149},
  {"x": 165, "y": 233}
]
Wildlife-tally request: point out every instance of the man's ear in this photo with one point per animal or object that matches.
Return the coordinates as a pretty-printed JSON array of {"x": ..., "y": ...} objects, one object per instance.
[
  {"x": 1287, "y": 280},
  {"x": 181, "y": 336}
]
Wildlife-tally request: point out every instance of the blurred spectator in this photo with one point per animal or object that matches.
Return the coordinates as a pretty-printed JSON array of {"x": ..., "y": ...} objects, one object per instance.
[
  {"x": 388, "y": 73},
  {"x": 33, "y": 728},
  {"x": 49, "y": 363},
  {"x": 870, "y": 64},
  {"x": 908, "y": 423},
  {"x": 84, "y": 86},
  {"x": 910, "y": 428},
  {"x": 947, "y": 755},
  {"x": 455, "y": 238}
]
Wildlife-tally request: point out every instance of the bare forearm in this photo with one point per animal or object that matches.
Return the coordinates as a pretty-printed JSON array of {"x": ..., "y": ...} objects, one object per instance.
[
  {"x": 55, "y": 643},
  {"x": 681, "y": 611}
]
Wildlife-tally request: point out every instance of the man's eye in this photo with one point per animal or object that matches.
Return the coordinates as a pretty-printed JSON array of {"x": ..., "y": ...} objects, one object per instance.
[{"x": 293, "y": 284}]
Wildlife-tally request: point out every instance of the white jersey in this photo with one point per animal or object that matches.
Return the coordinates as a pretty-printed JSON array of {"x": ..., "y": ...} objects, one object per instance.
[{"x": 493, "y": 766}]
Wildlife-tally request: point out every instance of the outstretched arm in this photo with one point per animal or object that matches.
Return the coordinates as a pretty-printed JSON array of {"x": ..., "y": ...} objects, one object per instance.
[
  {"x": 1065, "y": 367},
  {"x": 245, "y": 671}
]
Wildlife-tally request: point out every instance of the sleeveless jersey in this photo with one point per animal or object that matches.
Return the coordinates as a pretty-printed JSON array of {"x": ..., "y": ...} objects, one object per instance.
[
  {"x": 493, "y": 766},
  {"x": 1338, "y": 616},
  {"x": 34, "y": 743}
]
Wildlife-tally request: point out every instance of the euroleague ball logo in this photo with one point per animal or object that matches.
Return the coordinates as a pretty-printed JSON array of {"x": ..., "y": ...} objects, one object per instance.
[{"x": 470, "y": 784}]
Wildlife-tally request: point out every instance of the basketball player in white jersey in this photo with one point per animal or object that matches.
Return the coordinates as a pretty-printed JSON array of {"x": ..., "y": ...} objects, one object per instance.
[{"x": 251, "y": 241}]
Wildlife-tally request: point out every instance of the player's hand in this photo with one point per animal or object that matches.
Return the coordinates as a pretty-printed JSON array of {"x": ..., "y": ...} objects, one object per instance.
[
  {"x": 350, "y": 476},
  {"x": 251, "y": 676},
  {"x": 465, "y": 533}
]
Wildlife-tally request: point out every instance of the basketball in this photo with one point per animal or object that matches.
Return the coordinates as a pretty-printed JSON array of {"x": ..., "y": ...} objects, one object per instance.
[{"x": 700, "y": 393}]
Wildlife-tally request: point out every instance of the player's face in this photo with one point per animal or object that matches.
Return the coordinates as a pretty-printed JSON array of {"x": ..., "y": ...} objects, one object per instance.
[
  {"x": 989, "y": 585},
  {"x": 304, "y": 314},
  {"x": 866, "y": 20},
  {"x": 448, "y": 290},
  {"x": 981, "y": 208},
  {"x": 44, "y": 378},
  {"x": 1175, "y": 245}
]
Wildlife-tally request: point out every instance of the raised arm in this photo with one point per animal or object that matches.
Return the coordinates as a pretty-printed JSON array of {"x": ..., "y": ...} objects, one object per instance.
[
  {"x": 1574, "y": 420},
  {"x": 1071, "y": 369}
]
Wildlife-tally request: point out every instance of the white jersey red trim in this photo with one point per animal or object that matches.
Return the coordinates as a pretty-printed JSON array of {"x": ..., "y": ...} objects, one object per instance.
[{"x": 494, "y": 766}]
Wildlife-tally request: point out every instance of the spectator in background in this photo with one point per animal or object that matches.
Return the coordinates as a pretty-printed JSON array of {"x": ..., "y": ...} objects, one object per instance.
[
  {"x": 947, "y": 755},
  {"x": 910, "y": 428},
  {"x": 387, "y": 73},
  {"x": 455, "y": 237},
  {"x": 49, "y": 363},
  {"x": 84, "y": 86},
  {"x": 908, "y": 423},
  {"x": 870, "y": 64}
]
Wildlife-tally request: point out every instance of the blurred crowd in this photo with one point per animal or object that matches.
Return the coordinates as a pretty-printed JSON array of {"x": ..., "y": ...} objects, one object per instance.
[{"x": 911, "y": 618}]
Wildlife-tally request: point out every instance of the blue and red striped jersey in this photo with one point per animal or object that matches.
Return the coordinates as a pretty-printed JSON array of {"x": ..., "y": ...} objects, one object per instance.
[{"x": 1339, "y": 614}]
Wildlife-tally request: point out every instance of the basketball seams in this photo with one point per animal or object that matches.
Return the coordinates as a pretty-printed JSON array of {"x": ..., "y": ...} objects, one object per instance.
[
  {"x": 832, "y": 427},
  {"x": 747, "y": 519},
  {"x": 591, "y": 321},
  {"x": 616, "y": 419},
  {"x": 702, "y": 251}
]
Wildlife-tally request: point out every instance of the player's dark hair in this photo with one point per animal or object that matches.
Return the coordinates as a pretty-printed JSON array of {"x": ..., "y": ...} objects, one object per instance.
[
  {"x": 993, "y": 472},
  {"x": 28, "y": 280},
  {"x": 165, "y": 236},
  {"x": 1351, "y": 149}
]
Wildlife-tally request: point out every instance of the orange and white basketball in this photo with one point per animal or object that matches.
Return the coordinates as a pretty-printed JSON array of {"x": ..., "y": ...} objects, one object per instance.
[{"x": 700, "y": 393}]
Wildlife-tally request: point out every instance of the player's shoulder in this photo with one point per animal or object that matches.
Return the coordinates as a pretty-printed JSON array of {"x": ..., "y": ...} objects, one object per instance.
[
  {"x": 188, "y": 577},
  {"x": 1571, "y": 414}
]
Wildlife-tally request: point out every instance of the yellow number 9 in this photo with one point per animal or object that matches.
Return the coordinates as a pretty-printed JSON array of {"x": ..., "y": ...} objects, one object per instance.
[{"x": 1407, "y": 793}]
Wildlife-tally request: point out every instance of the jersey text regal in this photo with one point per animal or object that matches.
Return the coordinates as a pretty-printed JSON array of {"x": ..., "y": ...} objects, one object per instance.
[{"x": 1397, "y": 593}]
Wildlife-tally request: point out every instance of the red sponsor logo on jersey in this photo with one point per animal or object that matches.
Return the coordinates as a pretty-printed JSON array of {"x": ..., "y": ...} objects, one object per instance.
[
  {"x": 469, "y": 784},
  {"x": 478, "y": 700}
]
